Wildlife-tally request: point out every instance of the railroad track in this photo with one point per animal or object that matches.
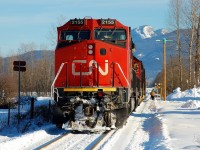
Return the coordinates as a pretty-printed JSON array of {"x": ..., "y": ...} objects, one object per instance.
[
  {"x": 83, "y": 140},
  {"x": 99, "y": 142},
  {"x": 45, "y": 145}
]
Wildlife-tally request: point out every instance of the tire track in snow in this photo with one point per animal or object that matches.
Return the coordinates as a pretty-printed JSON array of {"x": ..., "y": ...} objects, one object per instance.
[
  {"x": 153, "y": 125},
  {"x": 140, "y": 136}
]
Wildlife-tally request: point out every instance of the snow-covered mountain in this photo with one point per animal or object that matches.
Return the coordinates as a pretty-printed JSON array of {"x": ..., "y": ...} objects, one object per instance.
[
  {"x": 150, "y": 51},
  {"x": 146, "y": 31},
  {"x": 161, "y": 32}
]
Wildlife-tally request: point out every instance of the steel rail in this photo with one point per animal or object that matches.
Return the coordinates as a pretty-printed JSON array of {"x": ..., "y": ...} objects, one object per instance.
[
  {"x": 96, "y": 143},
  {"x": 45, "y": 145}
]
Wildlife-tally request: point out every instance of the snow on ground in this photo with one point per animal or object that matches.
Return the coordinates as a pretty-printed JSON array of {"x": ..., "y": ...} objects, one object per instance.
[
  {"x": 167, "y": 125},
  {"x": 163, "y": 125},
  {"x": 143, "y": 131},
  {"x": 181, "y": 125},
  {"x": 29, "y": 131}
]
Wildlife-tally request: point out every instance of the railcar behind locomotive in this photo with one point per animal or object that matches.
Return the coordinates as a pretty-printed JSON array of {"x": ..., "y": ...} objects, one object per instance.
[{"x": 98, "y": 82}]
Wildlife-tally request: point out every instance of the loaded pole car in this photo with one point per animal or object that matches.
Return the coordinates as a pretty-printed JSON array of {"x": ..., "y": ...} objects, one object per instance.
[{"x": 93, "y": 85}]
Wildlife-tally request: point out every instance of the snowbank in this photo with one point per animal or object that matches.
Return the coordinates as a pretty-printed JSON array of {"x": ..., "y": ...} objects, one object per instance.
[
  {"x": 25, "y": 108},
  {"x": 193, "y": 104},
  {"x": 178, "y": 95}
]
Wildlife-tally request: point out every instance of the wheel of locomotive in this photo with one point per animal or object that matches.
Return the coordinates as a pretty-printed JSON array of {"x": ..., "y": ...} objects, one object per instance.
[
  {"x": 122, "y": 115},
  {"x": 57, "y": 116},
  {"x": 107, "y": 118},
  {"x": 132, "y": 105},
  {"x": 135, "y": 104},
  {"x": 137, "y": 99}
]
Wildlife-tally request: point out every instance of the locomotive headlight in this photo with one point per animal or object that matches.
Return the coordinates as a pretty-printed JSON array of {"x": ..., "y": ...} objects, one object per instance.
[
  {"x": 90, "y": 46},
  {"x": 90, "y": 51}
]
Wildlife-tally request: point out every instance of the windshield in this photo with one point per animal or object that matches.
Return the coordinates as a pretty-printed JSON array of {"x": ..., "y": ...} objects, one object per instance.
[
  {"x": 113, "y": 36},
  {"x": 110, "y": 34},
  {"x": 75, "y": 35}
]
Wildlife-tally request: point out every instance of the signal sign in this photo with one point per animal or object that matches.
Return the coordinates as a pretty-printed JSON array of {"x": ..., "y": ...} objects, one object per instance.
[
  {"x": 19, "y": 63},
  {"x": 19, "y": 66}
]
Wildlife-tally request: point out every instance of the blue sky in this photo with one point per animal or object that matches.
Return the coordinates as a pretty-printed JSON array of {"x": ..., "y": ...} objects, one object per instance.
[{"x": 24, "y": 21}]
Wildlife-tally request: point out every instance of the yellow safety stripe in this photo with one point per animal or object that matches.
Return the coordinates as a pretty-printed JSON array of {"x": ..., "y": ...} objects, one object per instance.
[{"x": 90, "y": 89}]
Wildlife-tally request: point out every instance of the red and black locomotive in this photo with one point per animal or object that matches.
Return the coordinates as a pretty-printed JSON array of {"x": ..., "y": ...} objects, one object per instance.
[{"x": 98, "y": 82}]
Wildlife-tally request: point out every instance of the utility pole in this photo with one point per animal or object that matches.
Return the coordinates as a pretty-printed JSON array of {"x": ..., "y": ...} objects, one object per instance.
[{"x": 164, "y": 66}]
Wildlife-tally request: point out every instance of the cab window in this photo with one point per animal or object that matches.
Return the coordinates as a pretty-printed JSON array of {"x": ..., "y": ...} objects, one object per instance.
[
  {"x": 75, "y": 35},
  {"x": 113, "y": 36}
]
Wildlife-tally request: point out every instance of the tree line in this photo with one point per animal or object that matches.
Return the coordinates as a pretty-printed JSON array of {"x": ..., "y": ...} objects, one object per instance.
[
  {"x": 183, "y": 68},
  {"x": 37, "y": 78},
  {"x": 39, "y": 73}
]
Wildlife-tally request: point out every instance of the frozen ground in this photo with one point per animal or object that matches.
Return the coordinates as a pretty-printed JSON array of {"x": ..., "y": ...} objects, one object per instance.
[{"x": 164, "y": 125}]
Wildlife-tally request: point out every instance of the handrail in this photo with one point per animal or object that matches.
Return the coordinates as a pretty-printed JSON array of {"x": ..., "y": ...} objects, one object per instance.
[
  {"x": 58, "y": 73},
  {"x": 123, "y": 73}
]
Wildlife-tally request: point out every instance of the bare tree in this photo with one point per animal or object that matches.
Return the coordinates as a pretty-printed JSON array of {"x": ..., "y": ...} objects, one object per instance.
[
  {"x": 26, "y": 47},
  {"x": 172, "y": 79},
  {"x": 1, "y": 64},
  {"x": 192, "y": 20},
  {"x": 175, "y": 22},
  {"x": 9, "y": 67},
  {"x": 52, "y": 35},
  {"x": 197, "y": 51},
  {"x": 186, "y": 14},
  {"x": 8, "y": 88},
  {"x": 26, "y": 53},
  {"x": 43, "y": 73}
]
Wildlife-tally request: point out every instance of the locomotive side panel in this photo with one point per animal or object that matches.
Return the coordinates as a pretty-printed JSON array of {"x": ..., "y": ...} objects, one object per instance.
[{"x": 139, "y": 81}]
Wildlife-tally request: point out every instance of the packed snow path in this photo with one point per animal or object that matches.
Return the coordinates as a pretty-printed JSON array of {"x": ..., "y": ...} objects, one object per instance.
[{"x": 142, "y": 131}]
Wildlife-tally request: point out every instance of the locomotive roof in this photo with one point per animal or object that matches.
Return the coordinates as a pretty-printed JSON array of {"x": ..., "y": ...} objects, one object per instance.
[{"x": 106, "y": 23}]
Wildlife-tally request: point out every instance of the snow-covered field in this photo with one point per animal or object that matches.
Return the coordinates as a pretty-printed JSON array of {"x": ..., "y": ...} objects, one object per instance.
[{"x": 163, "y": 125}]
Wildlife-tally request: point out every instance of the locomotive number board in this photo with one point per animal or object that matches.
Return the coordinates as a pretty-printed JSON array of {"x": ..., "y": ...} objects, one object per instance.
[
  {"x": 77, "y": 22},
  {"x": 108, "y": 22}
]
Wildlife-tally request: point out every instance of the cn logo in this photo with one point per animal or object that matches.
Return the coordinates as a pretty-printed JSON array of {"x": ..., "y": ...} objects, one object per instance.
[{"x": 104, "y": 73}]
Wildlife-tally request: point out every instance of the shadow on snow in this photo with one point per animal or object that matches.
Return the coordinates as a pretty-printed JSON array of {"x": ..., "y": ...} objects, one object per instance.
[{"x": 153, "y": 126}]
